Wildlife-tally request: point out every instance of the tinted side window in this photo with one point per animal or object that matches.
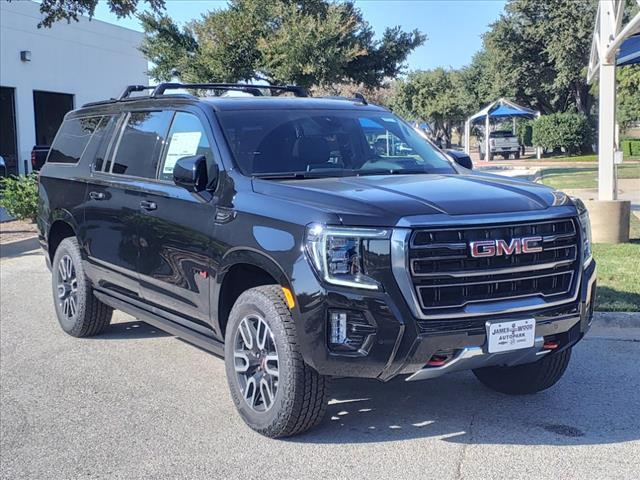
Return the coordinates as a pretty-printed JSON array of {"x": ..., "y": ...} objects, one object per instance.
[
  {"x": 187, "y": 137},
  {"x": 72, "y": 139},
  {"x": 99, "y": 141},
  {"x": 141, "y": 143}
]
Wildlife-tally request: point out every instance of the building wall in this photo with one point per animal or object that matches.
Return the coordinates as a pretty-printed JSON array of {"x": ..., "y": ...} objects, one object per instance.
[{"x": 92, "y": 60}]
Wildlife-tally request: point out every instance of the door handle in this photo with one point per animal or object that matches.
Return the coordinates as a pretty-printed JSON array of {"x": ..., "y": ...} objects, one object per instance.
[
  {"x": 148, "y": 205},
  {"x": 97, "y": 195}
]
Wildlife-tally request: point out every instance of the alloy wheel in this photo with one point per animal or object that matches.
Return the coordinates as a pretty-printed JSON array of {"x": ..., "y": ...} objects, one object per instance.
[
  {"x": 67, "y": 287},
  {"x": 256, "y": 363}
]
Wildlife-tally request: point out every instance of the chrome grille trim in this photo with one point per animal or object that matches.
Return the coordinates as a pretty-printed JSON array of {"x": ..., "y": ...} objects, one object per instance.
[
  {"x": 496, "y": 271},
  {"x": 403, "y": 238},
  {"x": 571, "y": 273}
]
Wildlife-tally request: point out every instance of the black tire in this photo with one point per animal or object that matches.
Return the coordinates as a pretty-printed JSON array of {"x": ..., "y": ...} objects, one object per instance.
[
  {"x": 528, "y": 378},
  {"x": 89, "y": 316},
  {"x": 300, "y": 398},
  {"x": 517, "y": 155}
]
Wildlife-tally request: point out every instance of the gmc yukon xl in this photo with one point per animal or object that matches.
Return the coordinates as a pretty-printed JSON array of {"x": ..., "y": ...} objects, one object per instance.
[{"x": 308, "y": 238}]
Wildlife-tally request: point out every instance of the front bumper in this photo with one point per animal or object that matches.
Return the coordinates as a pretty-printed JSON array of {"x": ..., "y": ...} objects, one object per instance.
[{"x": 401, "y": 347}]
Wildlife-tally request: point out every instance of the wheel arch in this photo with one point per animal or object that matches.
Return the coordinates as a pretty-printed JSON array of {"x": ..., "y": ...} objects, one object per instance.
[
  {"x": 62, "y": 226},
  {"x": 240, "y": 271}
]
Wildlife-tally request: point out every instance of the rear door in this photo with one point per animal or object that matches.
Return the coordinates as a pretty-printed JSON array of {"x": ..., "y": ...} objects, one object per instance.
[
  {"x": 175, "y": 230},
  {"x": 115, "y": 193}
]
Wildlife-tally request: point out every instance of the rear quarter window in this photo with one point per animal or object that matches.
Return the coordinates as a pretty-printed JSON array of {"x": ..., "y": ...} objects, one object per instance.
[{"x": 72, "y": 139}]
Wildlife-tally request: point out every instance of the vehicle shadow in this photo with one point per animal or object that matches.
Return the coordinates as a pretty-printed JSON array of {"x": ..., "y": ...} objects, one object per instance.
[
  {"x": 130, "y": 330},
  {"x": 590, "y": 405},
  {"x": 19, "y": 248}
]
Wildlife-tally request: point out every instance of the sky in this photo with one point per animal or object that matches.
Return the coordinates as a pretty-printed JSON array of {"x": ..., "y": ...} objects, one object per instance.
[{"x": 453, "y": 27}]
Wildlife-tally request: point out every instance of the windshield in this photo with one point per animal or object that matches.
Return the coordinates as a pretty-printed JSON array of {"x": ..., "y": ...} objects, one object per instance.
[{"x": 312, "y": 143}]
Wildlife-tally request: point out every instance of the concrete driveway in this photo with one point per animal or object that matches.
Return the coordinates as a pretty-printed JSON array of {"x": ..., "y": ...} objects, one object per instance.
[{"x": 137, "y": 403}]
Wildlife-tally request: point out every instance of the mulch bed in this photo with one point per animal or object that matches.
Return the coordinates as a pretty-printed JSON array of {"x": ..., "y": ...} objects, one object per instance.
[{"x": 16, "y": 230}]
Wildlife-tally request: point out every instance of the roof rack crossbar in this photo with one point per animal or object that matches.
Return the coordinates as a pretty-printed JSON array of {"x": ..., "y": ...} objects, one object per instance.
[
  {"x": 133, "y": 88},
  {"x": 253, "y": 89}
]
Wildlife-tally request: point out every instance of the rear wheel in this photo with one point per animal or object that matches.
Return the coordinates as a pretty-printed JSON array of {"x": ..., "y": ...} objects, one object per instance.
[
  {"x": 275, "y": 392},
  {"x": 528, "y": 378},
  {"x": 79, "y": 312}
]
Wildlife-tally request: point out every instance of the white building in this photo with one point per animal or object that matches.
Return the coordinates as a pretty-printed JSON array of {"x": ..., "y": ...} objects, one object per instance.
[{"x": 48, "y": 71}]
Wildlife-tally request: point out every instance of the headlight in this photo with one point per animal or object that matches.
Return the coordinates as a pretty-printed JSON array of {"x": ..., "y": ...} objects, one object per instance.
[
  {"x": 585, "y": 229},
  {"x": 336, "y": 253}
]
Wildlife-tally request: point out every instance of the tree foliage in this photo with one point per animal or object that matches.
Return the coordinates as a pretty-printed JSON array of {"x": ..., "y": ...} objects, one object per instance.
[
  {"x": 536, "y": 54},
  {"x": 56, "y": 10},
  {"x": 438, "y": 96},
  {"x": 628, "y": 95},
  {"x": 307, "y": 42}
]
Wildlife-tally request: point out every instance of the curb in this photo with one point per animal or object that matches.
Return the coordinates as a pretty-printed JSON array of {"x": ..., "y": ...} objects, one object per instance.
[{"x": 617, "y": 319}]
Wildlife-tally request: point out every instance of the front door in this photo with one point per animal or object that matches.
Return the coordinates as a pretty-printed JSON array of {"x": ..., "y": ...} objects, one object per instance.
[{"x": 175, "y": 231}]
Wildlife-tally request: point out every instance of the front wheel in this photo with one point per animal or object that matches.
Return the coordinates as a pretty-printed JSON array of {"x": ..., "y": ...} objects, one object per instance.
[
  {"x": 528, "y": 378},
  {"x": 275, "y": 392}
]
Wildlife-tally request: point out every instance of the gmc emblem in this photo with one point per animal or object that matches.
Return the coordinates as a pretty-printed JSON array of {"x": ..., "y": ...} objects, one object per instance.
[{"x": 496, "y": 248}]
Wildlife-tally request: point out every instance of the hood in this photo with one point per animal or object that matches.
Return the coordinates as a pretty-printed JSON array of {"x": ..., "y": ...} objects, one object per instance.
[{"x": 384, "y": 199}]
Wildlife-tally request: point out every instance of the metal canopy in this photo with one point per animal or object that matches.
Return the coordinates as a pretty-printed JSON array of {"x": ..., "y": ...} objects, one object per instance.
[
  {"x": 629, "y": 53},
  {"x": 500, "y": 109}
]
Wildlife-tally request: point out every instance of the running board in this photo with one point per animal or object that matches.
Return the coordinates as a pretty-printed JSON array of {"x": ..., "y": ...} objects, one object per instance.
[{"x": 207, "y": 343}]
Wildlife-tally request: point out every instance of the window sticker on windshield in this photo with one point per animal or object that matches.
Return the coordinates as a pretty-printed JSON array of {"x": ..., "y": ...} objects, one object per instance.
[
  {"x": 181, "y": 144},
  {"x": 389, "y": 119}
]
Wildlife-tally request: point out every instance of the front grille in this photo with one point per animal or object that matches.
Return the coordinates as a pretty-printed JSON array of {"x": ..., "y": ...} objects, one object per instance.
[{"x": 447, "y": 278}]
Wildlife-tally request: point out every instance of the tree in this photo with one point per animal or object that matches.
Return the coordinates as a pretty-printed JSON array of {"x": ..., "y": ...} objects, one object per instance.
[
  {"x": 438, "y": 96},
  {"x": 307, "y": 42},
  {"x": 536, "y": 53},
  {"x": 628, "y": 95},
  {"x": 56, "y": 10}
]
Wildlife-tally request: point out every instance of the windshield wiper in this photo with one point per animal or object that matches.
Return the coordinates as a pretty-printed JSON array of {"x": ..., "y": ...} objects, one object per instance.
[
  {"x": 389, "y": 171},
  {"x": 301, "y": 175}
]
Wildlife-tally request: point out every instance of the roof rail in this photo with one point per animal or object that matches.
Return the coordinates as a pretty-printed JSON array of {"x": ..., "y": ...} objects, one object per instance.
[
  {"x": 253, "y": 89},
  {"x": 358, "y": 97},
  {"x": 133, "y": 88}
]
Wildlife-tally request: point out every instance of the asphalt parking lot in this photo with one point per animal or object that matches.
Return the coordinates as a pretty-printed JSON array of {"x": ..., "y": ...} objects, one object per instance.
[{"x": 137, "y": 403}]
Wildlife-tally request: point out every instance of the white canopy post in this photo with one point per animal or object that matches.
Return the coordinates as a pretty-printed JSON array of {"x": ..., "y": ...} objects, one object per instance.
[
  {"x": 538, "y": 147},
  {"x": 487, "y": 131},
  {"x": 467, "y": 137},
  {"x": 608, "y": 13}
]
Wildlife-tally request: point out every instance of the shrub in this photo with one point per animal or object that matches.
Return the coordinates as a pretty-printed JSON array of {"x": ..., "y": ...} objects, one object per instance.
[
  {"x": 630, "y": 147},
  {"x": 567, "y": 131},
  {"x": 19, "y": 196}
]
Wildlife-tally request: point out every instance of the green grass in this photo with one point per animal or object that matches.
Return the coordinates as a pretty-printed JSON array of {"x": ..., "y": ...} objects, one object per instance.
[
  {"x": 618, "y": 277},
  {"x": 619, "y": 273},
  {"x": 583, "y": 177},
  {"x": 576, "y": 159}
]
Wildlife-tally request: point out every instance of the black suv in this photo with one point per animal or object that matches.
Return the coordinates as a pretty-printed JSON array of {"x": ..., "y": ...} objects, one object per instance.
[{"x": 309, "y": 238}]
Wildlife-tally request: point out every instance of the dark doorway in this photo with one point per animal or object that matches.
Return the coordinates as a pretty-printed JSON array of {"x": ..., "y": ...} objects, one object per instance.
[
  {"x": 49, "y": 109},
  {"x": 8, "y": 141}
]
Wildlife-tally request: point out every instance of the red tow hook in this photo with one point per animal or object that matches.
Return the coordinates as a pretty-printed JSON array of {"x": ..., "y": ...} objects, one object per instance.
[
  {"x": 437, "y": 361},
  {"x": 550, "y": 345}
]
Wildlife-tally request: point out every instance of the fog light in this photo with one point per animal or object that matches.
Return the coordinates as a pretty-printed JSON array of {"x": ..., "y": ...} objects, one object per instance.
[
  {"x": 349, "y": 332},
  {"x": 338, "y": 330}
]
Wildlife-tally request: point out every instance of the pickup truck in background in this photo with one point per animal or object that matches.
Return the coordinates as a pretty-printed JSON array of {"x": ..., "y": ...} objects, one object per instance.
[
  {"x": 501, "y": 142},
  {"x": 39, "y": 156}
]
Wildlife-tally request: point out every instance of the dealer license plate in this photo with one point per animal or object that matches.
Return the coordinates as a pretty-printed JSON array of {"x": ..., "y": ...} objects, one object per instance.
[{"x": 512, "y": 335}]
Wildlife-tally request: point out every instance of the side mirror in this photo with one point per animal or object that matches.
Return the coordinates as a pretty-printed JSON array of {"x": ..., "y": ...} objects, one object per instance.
[
  {"x": 460, "y": 158},
  {"x": 191, "y": 173}
]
